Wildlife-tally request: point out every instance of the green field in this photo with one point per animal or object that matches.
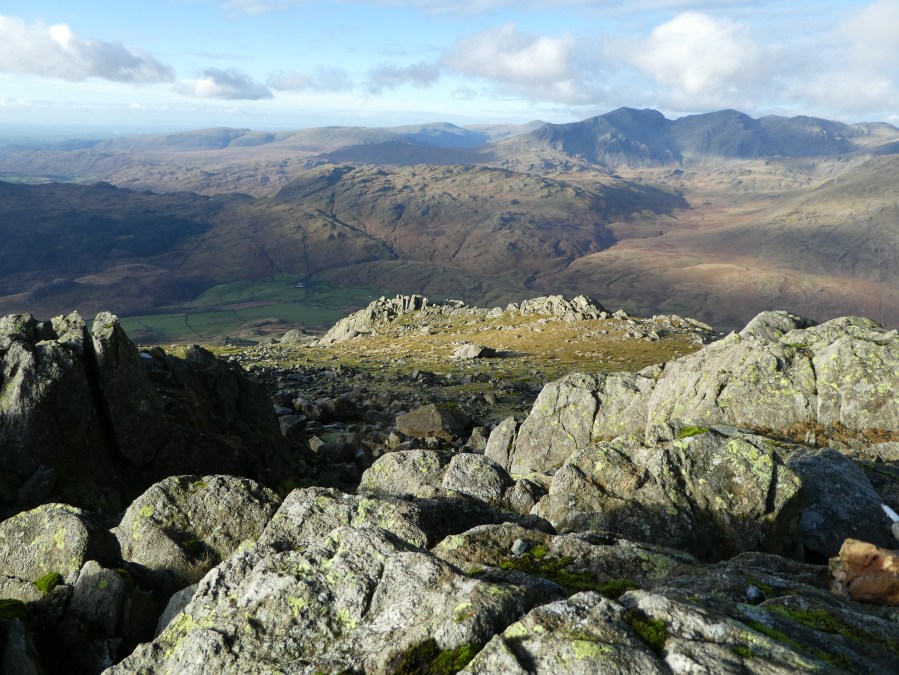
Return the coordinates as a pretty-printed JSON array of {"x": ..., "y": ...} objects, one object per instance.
[{"x": 250, "y": 310}]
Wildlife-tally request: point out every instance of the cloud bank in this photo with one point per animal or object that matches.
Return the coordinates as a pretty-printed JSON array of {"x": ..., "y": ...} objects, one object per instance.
[{"x": 34, "y": 48}]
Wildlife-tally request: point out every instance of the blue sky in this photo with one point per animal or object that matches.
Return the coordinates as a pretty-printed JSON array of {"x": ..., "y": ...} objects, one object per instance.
[{"x": 286, "y": 64}]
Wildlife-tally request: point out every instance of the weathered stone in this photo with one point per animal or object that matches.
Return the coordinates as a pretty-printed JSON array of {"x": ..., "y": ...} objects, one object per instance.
[
  {"x": 477, "y": 476},
  {"x": 866, "y": 573},
  {"x": 471, "y": 351},
  {"x": 364, "y": 321},
  {"x": 52, "y": 538},
  {"x": 406, "y": 472},
  {"x": 448, "y": 422},
  {"x": 187, "y": 524},
  {"x": 500, "y": 442},
  {"x": 838, "y": 503},
  {"x": 358, "y": 599},
  {"x": 585, "y": 633},
  {"x": 310, "y": 514},
  {"x": 710, "y": 494},
  {"x": 88, "y": 420}
]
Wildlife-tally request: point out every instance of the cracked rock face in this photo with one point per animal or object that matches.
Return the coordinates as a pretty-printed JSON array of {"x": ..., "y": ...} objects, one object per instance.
[{"x": 87, "y": 419}]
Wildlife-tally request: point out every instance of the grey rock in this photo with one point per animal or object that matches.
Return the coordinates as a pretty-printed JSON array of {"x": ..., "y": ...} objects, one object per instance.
[
  {"x": 308, "y": 515},
  {"x": 472, "y": 351},
  {"x": 843, "y": 372},
  {"x": 185, "y": 525},
  {"x": 585, "y": 633},
  {"x": 477, "y": 476},
  {"x": 711, "y": 495},
  {"x": 771, "y": 326},
  {"x": 500, "y": 442},
  {"x": 365, "y": 320},
  {"x": 175, "y": 605},
  {"x": 52, "y": 538},
  {"x": 358, "y": 599},
  {"x": 87, "y": 420},
  {"x": 18, "y": 653},
  {"x": 444, "y": 421},
  {"x": 406, "y": 472},
  {"x": 839, "y": 503}
]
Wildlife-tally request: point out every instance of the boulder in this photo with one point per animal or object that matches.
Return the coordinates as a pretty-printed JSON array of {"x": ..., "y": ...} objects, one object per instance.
[
  {"x": 500, "y": 442},
  {"x": 477, "y": 476},
  {"x": 838, "y": 503},
  {"x": 359, "y": 599},
  {"x": 185, "y": 525},
  {"x": 310, "y": 514},
  {"x": 707, "y": 493},
  {"x": 585, "y": 633},
  {"x": 444, "y": 421},
  {"x": 406, "y": 472},
  {"x": 842, "y": 372},
  {"x": 472, "y": 351},
  {"x": 51, "y": 539}
]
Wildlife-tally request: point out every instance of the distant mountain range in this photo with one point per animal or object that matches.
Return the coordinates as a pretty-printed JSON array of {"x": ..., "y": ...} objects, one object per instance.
[{"x": 717, "y": 215}]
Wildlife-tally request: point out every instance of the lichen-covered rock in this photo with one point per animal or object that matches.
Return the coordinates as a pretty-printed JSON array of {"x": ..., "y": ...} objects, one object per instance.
[
  {"x": 310, "y": 514},
  {"x": 500, "y": 442},
  {"x": 53, "y": 538},
  {"x": 477, "y": 476},
  {"x": 359, "y": 599},
  {"x": 579, "y": 308},
  {"x": 585, "y": 633},
  {"x": 843, "y": 372},
  {"x": 708, "y": 493},
  {"x": 187, "y": 524},
  {"x": 445, "y": 421},
  {"x": 364, "y": 321},
  {"x": 407, "y": 472}
]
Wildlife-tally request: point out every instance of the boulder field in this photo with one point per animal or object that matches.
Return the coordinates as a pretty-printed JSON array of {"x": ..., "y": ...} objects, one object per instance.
[{"x": 728, "y": 511}]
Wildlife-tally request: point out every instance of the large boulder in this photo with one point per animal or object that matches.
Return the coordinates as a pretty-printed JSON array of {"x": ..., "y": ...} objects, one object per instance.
[
  {"x": 708, "y": 493},
  {"x": 843, "y": 373},
  {"x": 87, "y": 419},
  {"x": 445, "y": 421},
  {"x": 185, "y": 525},
  {"x": 359, "y": 599}
]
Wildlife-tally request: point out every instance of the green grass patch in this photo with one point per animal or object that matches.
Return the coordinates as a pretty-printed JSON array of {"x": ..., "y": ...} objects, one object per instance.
[
  {"x": 426, "y": 658},
  {"x": 652, "y": 631},
  {"x": 688, "y": 432},
  {"x": 12, "y": 609},
  {"x": 48, "y": 582}
]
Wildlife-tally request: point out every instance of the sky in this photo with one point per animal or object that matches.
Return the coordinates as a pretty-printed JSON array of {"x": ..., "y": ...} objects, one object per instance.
[{"x": 290, "y": 64}]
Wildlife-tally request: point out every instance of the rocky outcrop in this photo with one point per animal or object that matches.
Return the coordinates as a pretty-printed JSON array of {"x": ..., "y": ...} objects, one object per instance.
[
  {"x": 364, "y": 321},
  {"x": 580, "y": 308},
  {"x": 681, "y": 545},
  {"x": 841, "y": 373},
  {"x": 88, "y": 419}
]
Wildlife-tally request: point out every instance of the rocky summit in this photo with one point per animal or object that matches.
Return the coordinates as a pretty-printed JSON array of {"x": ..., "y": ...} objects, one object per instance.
[{"x": 546, "y": 487}]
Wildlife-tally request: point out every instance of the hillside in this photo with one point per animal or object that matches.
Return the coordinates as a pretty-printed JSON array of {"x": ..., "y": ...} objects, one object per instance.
[{"x": 717, "y": 215}]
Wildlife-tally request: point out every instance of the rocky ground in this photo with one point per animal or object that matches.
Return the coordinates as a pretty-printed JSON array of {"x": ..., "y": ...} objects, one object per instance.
[{"x": 543, "y": 488}]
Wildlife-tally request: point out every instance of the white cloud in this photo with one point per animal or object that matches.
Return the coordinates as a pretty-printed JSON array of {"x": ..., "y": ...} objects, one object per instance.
[
  {"x": 228, "y": 84},
  {"x": 873, "y": 35},
  {"x": 523, "y": 64},
  {"x": 56, "y": 51},
  {"x": 419, "y": 75},
  {"x": 322, "y": 80},
  {"x": 700, "y": 56}
]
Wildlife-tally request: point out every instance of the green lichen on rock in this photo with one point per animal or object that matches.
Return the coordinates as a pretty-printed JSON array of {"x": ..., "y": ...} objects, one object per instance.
[
  {"x": 838, "y": 660},
  {"x": 426, "y": 658},
  {"x": 537, "y": 563},
  {"x": 615, "y": 587},
  {"x": 48, "y": 582}
]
